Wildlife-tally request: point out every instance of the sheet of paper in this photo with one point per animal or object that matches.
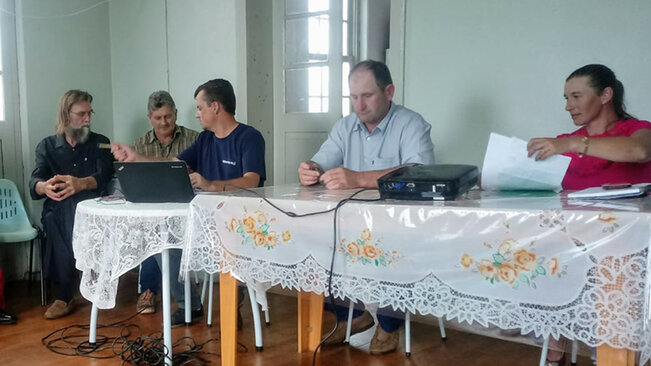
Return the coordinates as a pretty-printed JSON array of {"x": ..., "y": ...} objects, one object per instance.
[{"x": 507, "y": 167}]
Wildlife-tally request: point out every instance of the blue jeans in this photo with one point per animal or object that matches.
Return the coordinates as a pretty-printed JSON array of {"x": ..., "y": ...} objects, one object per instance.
[
  {"x": 177, "y": 288},
  {"x": 150, "y": 276}
]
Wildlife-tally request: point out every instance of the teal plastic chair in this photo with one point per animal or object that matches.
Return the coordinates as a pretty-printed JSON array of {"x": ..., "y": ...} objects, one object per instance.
[{"x": 16, "y": 228}]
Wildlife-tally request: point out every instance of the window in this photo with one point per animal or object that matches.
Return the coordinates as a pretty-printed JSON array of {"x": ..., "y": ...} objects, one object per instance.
[
  {"x": 307, "y": 44},
  {"x": 348, "y": 38},
  {"x": 2, "y": 84}
]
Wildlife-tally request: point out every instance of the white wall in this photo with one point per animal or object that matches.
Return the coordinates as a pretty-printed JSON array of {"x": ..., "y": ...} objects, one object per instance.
[
  {"x": 61, "y": 45},
  {"x": 139, "y": 60},
  {"x": 373, "y": 29},
  {"x": 173, "y": 45},
  {"x": 259, "y": 47},
  {"x": 65, "y": 45},
  {"x": 207, "y": 40},
  {"x": 474, "y": 66}
]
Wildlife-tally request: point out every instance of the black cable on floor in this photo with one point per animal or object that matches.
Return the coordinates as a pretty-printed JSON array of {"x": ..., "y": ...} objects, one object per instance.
[
  {"x": 132, "y": 350},
  {"x": 150, "y": 349}
]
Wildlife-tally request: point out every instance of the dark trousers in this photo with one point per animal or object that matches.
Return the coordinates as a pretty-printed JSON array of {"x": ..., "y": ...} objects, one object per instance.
[
  {"x": 2, "y": 291},
  {"x": 58, "y": 219},
  {"x": 388, "y": 323},
  {"x": 177, "y": 289}
]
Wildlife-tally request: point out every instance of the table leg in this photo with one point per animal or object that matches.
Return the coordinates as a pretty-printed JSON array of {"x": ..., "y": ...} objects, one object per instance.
[
  {"x": 310, "y": 317},
  {"x": 228, "y": 318},
  {"x": 607, "y": 355},
  {"x": 167, "y": 313}
]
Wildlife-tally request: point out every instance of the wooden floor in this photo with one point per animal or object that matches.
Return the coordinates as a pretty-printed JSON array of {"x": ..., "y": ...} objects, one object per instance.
[{"x": 20, "y": 344}]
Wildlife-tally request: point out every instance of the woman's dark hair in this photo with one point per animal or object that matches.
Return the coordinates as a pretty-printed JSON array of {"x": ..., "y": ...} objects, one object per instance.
[{"x": 602, "y": 77}]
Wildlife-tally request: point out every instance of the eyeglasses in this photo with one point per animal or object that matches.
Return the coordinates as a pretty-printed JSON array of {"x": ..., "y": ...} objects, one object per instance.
[{"x": 83, "y": 114}]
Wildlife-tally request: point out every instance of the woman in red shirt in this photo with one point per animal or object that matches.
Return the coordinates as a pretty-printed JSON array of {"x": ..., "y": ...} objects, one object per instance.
[{"x": 610, "y": 146}]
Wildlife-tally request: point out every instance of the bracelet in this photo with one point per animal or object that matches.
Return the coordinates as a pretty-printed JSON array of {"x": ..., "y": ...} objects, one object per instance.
[{"x": 585, "y": 141}]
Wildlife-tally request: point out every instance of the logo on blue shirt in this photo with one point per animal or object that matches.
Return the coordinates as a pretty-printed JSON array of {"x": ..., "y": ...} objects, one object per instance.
[{"x": 229, "y": 162}]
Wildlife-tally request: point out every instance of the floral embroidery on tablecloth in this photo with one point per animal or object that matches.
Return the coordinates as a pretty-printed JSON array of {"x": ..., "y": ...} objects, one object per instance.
[
  {"x": 513, "y": 266},
  {"x": 255, "y": 229},
  {"x": 552, "y": 219},
  {"x": 363, "y": 250},
  {"x": 609, "y": 220},
  {"x": 579, "y": 244}
]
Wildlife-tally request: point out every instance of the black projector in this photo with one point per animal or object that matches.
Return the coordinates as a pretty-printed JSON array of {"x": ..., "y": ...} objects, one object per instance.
[{"x": 428, "y": 182}]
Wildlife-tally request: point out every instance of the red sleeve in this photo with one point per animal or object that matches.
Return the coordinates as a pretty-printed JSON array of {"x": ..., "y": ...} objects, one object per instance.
[
  {"x": 633, "y": 125},
  {"x": 579, "y": 132},
  {"x": 624, "y": 128}
]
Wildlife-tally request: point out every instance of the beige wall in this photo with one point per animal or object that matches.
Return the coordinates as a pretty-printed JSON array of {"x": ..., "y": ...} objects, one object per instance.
[
  {"x": 259, "y": 44},
  {"x": 173, "y": 45},
  {"x": 60, "y": 45},
  {"x": 474, "y": 66}
]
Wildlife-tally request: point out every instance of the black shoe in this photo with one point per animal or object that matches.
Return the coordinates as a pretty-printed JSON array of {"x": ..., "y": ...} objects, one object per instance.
[
  {"x": 178, "y": 318},
  {"x": 6, "y": 318}
]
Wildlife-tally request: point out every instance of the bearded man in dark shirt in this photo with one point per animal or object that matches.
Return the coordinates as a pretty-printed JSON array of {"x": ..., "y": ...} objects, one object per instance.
[{"x": 71, "y": 166}]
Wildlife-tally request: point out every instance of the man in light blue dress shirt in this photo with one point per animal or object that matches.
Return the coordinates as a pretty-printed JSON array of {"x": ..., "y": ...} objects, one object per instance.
[{"x": 379, "y": 137}]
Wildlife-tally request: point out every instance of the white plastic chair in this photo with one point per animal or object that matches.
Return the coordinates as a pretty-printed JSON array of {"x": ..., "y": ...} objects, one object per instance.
[
  {"x": 16, "y": 228},
  {"x": 545, "y": 347},
  {"x": 444, "y": 337},
  {"x": 351, "y": 307},
  {"x": 255, "y": 310}
]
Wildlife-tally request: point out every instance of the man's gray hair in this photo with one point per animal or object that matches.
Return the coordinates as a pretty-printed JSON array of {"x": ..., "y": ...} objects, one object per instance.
[{"x": 160, "y": 99}]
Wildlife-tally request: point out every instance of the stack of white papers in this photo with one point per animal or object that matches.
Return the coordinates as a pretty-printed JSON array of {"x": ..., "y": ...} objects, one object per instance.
[
  {"x": 507, "y": 166},
  {"x": 602, "y": 193}
]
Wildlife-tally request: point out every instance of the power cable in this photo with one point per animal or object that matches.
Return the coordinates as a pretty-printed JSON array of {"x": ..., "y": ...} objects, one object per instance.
[
  {"x": 130, "y": 348},
  {"x": 335, "y": 209}
]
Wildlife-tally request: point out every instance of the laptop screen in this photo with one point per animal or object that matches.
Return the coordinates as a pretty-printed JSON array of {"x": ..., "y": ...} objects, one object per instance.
[{"x": 154, "y": 181}]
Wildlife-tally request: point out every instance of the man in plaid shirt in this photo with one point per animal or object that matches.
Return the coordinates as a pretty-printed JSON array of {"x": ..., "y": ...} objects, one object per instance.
[{"x": 166, "y": 139}]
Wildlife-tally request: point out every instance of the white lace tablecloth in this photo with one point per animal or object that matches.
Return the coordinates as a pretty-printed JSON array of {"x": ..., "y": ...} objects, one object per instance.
[
  {"x": 110, "y": 238},
  {"x": 535, "y": 262}
]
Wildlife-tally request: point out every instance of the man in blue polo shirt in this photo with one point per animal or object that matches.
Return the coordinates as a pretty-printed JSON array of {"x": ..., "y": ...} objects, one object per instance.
[
  {"x": 379, "y": 137},
  {"x": 225, "y": 156}
]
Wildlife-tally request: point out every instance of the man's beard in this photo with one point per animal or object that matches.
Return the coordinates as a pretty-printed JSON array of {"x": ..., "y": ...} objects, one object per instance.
[{"x": 78, "y": 134}]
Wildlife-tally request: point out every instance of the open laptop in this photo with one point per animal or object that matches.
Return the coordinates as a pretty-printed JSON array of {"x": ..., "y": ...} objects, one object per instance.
[{"x": 154, "y": 181}]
